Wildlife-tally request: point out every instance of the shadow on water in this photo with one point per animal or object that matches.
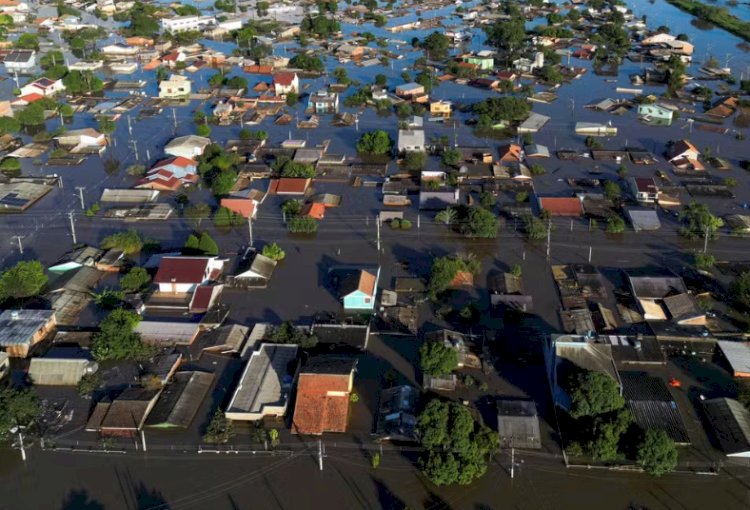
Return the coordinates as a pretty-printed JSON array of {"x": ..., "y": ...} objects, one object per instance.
[
  {"x": 149, "y": 499},
  {"x": 80, "y": 500},
  {"x": 388, "y": 500}
]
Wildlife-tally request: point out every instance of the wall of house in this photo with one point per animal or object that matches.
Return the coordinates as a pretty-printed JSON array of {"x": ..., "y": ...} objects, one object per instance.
[{"x": 358, "y": 301}]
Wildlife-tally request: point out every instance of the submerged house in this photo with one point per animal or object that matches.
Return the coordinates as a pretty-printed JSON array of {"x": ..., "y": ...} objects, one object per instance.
[{"x": 359, "y": 289}]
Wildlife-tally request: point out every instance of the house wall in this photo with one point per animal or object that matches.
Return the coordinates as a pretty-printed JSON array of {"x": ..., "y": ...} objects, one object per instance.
[
  {"x": 359, "y": 301},
  {"x": 177, "y": 288}
]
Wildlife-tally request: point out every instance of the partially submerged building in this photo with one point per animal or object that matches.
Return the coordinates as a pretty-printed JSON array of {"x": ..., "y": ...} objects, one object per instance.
[
  {"x": 323, "y": 390},
  {"x": 20, "y": 330}
]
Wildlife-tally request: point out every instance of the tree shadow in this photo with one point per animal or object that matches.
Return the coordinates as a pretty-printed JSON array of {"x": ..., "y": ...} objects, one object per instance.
[
  {"x": 388, "y": 500},
  {"x": 80, "y": 500},
  {"x": 149, "y": 499}
]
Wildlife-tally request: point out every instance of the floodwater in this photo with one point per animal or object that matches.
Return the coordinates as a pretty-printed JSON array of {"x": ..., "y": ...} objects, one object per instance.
[{"x": 348, "y": 235}]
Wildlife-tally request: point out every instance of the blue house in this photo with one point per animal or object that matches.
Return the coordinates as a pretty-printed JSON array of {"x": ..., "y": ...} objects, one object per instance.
[
  {"x": 655, "y": 112},
  {"x": 359, "y": 289}
]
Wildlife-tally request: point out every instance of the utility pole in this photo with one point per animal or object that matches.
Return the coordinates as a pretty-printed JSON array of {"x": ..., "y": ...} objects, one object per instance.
[
  {"x": 320, "y": 454},
  {"x": 549, "y": 235},
  {"x": 250, "y": 228},
  {"x": 705, "y": 241},
  {"x": 20, "y": 244},
  {"x": 589, "y": 254},
  {"x": 377, "y": 222},
  {"x": 72, "y": 226},
  {"x": 512, "y": 462},
  {"x": 80, "y": 195},
  {"x": 143, "y": 439},
  {"x": 130, "y": 126}
]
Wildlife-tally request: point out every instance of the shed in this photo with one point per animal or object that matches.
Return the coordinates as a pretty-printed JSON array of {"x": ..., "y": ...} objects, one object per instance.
[
  {"x": 730, "y": 421},
  {"x": 518, "y": 424},
  {"x": 179, "y": 401},
  {"x": 737, "y": 355},
  {"x": 60, "y": 371},
  {"x": 643, "y": 219}
]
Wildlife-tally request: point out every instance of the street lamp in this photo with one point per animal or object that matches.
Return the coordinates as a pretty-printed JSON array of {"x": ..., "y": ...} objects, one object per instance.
[{"x": 18, "y": 430}]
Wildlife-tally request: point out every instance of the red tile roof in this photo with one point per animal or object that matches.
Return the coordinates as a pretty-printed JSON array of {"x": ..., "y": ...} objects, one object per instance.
[
  {"x": 316, "y": 411},
  {"x": 285, "y": 79},
  {"x": 181, "y": 270},
  {"x": 30, "y": 98},
  {"x": 289, "y": 186},
  {"x": 176, "y": 161},
  {"x": 645, "y": 185},
  {"x": 562, "y": 206},
  {"x": 242, "y": 206},
  {"x": 316, "y": 211},
  {"x": 201, "y": 298}
]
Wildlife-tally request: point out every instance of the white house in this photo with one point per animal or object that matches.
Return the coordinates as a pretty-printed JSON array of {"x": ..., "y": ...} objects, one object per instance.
[
  {"x": 20, "y": 61},
  {"x": 175, "y": 86},
  {"x": 87, "y": 137},
  {"x": 119, "y": 50},
  {"x": 182, "y": 275},
  {"x": 410, "y": 140},
  {"x": 43, "y": 86},
  {"x": 285, "y": 83},
  {"x": 187, "y": 23},
  {"x": 190, "y": 146}
]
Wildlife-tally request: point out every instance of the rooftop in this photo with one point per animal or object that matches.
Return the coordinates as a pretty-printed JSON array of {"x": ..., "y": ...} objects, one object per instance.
[{"x": 17, "y": 327}]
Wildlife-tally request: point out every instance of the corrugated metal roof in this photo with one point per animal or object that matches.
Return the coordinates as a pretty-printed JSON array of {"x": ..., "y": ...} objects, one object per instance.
[
  {"x": 60, "y": 371},
  {"x": 737, "y": 354},
  {"x": 17, "y": 327}
]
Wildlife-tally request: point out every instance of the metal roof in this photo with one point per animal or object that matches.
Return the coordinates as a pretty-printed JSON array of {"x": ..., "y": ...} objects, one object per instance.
[
  {"x": 518, "y": 424},
  {"x": 643, "y": 219},
  {"x": 17, "y": 327},
  {"x": 266, "y": 380},
  {"x": 167, "y": 332},
  {"x": 737, "y": 354},
  {"x": 129, "y": 195},
  {"x": 60, "y": 371},
  {"x": 180, "y": 399},
  {"x": 731, "y": 423}
]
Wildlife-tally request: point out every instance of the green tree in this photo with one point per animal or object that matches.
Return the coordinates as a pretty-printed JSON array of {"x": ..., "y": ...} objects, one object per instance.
[
  {"x": 447, "y": 216},
  {"x": 508, "y": 35},
  {"x": 207, "y": 245},
  {"x": 307, "y": 63},
  {"x": 17, "y": 407},
  {"x": 191, "y": 245},
  {"x": 481, "y": 223},
  {"x": 444, "y": 270},
  {"x": 657, "y": 454},
  {"x": 302, "y": 225},
  {"x": 375, "y": 142},
  {"x": 273, "y": 251},
  {"x": 225, "y": 218},
  {"x": 697, "y": 222},
  {"x": 203, "y": 130},
  {"x": 436, "y": 358},
  {"x": 704, "y": 261},
  {"x": 604, "y": 443},
  {"x": 292, "y": 98},
  {"x": 223, "y": 182},
  {"x": 31, "y": 115},
  {"x": 9, "y": 125},
  {"x": 415, "y": 161},
  {"x": 28, "y": 41},
  {"x": 88, "y": 384},
  {"x": 197, "y": 212},
  {"x": 117, "y": 339},
  {"x": 297, "y": 170},
  {"x": 487, "y": 199},
  {"x": 288, "y": 333},
  {"x": 82, "y": 82},
  {"x": 456, "y": 448},
  {"x": 24, "y": 280},
  {"x": 219, "y": 430},
  {"x": 291, "y": 207},
  {"x": 612, "y": 190},
  {"x": 451, "y": 157},
  {"x": 436, "y": 45},
  {"x": 739, "y": 289},
  {"x": 507, "y": 108},
  {"x": 129, "y": 242},
  {"x": 135, "y": 280},
  {"x": 109, "y": 299},
  {"x": 593, "y": 393},
  {"x": 615, "y": 225}
]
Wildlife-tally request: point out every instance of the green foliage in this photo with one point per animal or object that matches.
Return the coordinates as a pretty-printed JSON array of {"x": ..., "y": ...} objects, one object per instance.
[
  {"x": 375, "y": 142},
  {"x": 592, "y": 393},
  {"x": 444, "y": 270},
  {"x": 341, "y": 76},
  {"x": 451, "y": 157},
  {"x": 197, "y": 212},
  {"x": 203, "y": 130},
  {"x": 457, "y": 449},
  {"x": 288, "y": 333},
  {"x": 436, "y": 358},
  {"x": 697, "y": 222},
  {"x": 320, "y": 26},
  {"x": 9, "y": 125},
  {"x": 487, "y": 199},
  {"x": 117, "y": 340},
  {"x": 715, "y": 15},
  {"x": 302, "y": 225},
  {"x": 31, "y": 115},
  {"x": 704, "y": 261},
  {"x": 224, "y": 218},
  {"x": 508, "y": 35},
  {"x": 612, "y": 190},
  {"x": 17, "y": 407},
  {"x": 436, "y": 45},
  {"x": 606, "y": 433},
  {"x": 551, "y": 74},
  {"x": 622, "y": 171},
  {"x": 82, "y": 82},
  {"x": 506, "y": 108},
  {"x": 297, "y": 170},
  {"x": 142, "y": 20},
  {"x": 89, "y": 384},
  {"x": 273, "y": 251},
  {"x": 219, "y": 430},
  {"x": 615, "y": 225},
  {"x": 109, "y": 299},
  {"x": 129, "y": 242},
  {"x": 481, "y": 223},
  {"x": 400, "y": 224},
  {"x": 375, "y": 460},
  {"x": 28, "y": 41},
  {"x": 107, "y": 125},
  {"x": 739, "y": 289},
  {"x": 593, "y": 142},
  {"x": 135, "y": 280},
  {"x": 24, "y": 280},
  {"x": 223, "y": 181},
  {"x": 201, "y": 245},
  {"x": 307, "y": 63},
  {"x": 516, "y": 270},
  {"x": 657, "y": 454},
  {"x": 415, "y": 161},
  {"x": 447, "y": 216},
  {"x": 10, "y": 164},
  {"x": 522, "y": 196},
  {"x": 291, "y": 207}
]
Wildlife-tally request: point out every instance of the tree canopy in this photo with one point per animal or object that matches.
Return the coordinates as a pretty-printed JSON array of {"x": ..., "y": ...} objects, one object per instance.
[
  {"x": 116, "y": 338},
  {"x": 506, "y": 108},
  {"x": 697, "y": 221},
  {"x": 457, "y": 448},
  {"x": 592, "y": 393},
  {"x": 135, "y": 280},
  {"x": 128, "y": 242},
  {"x": 24, "y": 280},
  {"x": 17, "y": 407},
  {"x": 273, "y": 251},
  {"x": 436, "y": 45},
  {"x": 375, "y": 142},
  {"x": 436, "y": 358},
  {"x": 288, "y": 333},
  {"x": 482, "y": 223},
  {"x": 444, "y": 270},
  {"x": 740, "y": 289},
  {"x": 657, "y": 454}
]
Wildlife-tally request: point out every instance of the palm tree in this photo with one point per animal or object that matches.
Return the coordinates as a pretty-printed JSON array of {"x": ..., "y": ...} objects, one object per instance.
[{"x": 446, "y": 216}]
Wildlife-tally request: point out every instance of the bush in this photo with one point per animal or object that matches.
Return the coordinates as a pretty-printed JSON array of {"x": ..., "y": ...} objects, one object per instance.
[
  {"x": 135, "y": 280},
  {"x": 615, "y": 225},
  {"x": 129, "y": 242},
  {"x": 302, "y": 225},
  {"x": 203, "y": 130},
  {"x": 273, "y": 251},
  {"x": 704, "y": 261},
  {"x": 375, "y": 142}
]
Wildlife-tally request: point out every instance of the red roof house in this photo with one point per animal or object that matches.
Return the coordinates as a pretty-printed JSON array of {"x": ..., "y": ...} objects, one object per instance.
[
  {"x": 316, "y": 210},
  {"x": 323, "y": 390},
  {"x": 562, "y": 206},
  {"x": 289, "y": 186},
  {"x": 245, "y": 207}
]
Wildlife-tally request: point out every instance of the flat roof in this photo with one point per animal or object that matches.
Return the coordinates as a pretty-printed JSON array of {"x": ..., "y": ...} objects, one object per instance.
[
  {"x": 180, "y": 399},
  {"x": 518, "y": 424},
  {"x": 167, "y": 332},
  {"x": 731, "y": 423}
]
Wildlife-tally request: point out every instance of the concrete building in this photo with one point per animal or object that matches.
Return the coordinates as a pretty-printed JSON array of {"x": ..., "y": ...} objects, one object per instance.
[
  {"x": 358, "y": 290},
  {"x": 265, "y": 385},
  {"x": 410, "y": 140},
  {"x": 190, "y": 146},
  {"x": 187, "y": 23},
  {"x": 323, "y": 101},
  {"x": 43, "y": 86},
  {"x": 645, "y": 189},
  {"x": 176, "y": 86},
  {"x": 20, "y": 61},
  {"x": 285, "y": 83}
]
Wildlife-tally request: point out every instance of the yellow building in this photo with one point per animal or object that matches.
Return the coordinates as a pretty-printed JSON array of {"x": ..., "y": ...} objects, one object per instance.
[{"x": 440, "y": 108}]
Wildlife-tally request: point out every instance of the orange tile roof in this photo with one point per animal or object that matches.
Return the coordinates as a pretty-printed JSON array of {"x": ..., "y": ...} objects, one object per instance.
[
  {"x": 316, "y": 411},
  {"x": 366, "y": 283},
  {"x": 462, "y": 279},
  {"x": 316, "y": 211},
  {"x": 561, "y": 206},
  {"x": 242, "y": 206},
  {"x": 289, "y": 186},
  {"x": 180, "y": 161},
  {"x": 510, "y": 152}
]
